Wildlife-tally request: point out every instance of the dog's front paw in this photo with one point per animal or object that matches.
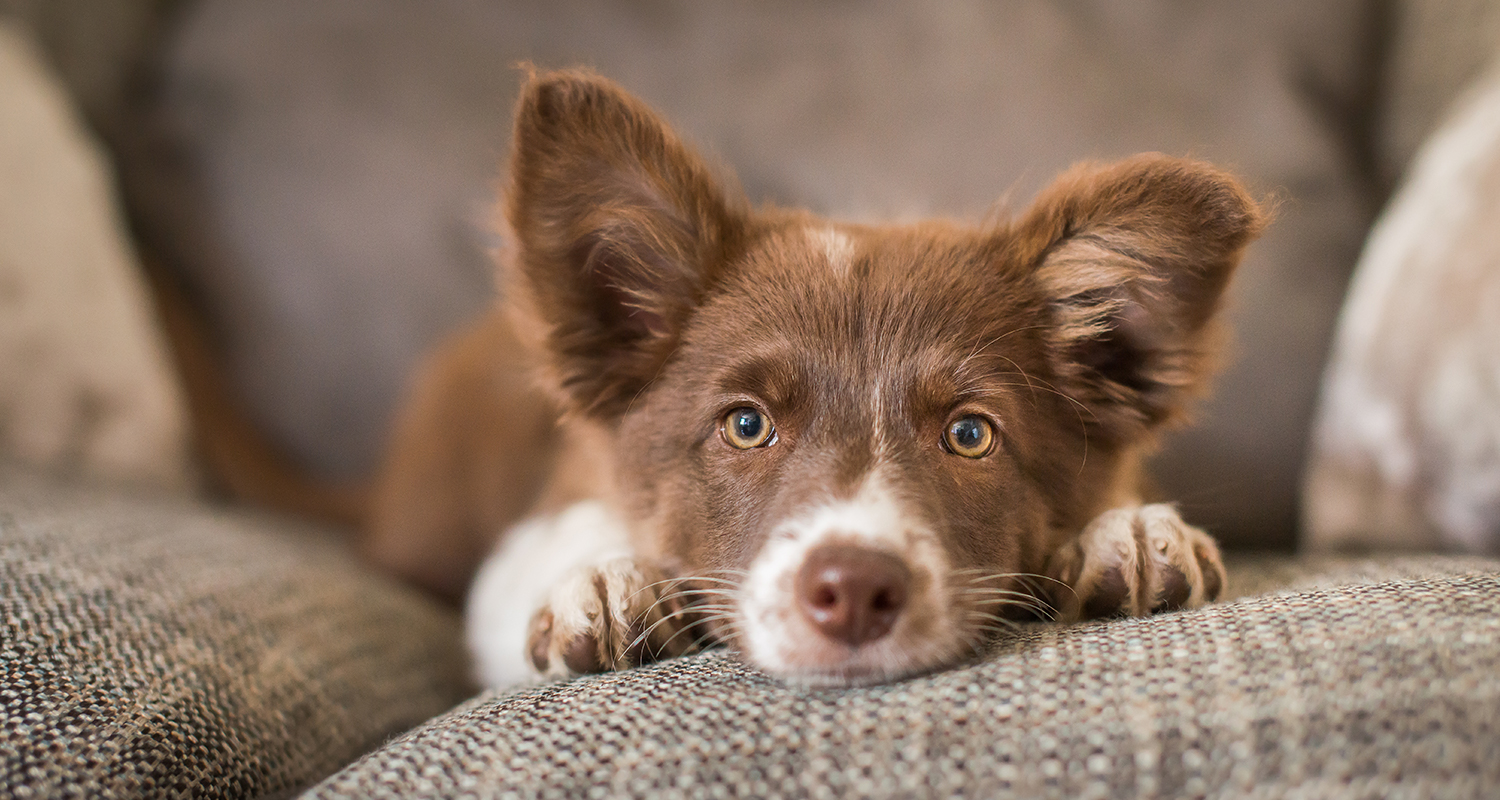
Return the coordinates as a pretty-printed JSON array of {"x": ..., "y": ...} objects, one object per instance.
[
  {"x": 616, "y": 615},
  {"x": 1133, "y": 561}
]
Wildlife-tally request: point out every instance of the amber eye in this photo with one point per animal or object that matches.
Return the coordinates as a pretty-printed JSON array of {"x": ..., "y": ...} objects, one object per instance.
[
  {"x": 971, "y": 436},
  {"x": 746, "y": 428}
]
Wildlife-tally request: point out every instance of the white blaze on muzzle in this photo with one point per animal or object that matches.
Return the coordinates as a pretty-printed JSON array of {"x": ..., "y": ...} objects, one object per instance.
[{"x": 782, "y": 632}]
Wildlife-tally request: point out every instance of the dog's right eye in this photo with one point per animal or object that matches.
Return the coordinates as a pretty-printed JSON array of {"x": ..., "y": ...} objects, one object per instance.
[
  {"x": 746, "y": 428},
  {"x": 971, "y": 436}
]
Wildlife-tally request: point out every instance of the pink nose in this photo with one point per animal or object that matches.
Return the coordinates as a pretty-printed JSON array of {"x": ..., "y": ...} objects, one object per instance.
[{"x": 852, "y": 594}]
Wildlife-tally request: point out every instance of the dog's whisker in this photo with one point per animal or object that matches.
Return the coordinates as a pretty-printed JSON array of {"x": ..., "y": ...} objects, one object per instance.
[
  {"x": 708, "y": 579},
  {"x": 648, "y": 587},
  {"x": 989, "y": 575},
  {"x": 1025, "y": 601},
  {"x": 654, "y": 378},
  {"x": 1041, "y": 594},
  {"x": 708, "y": 609},
  {"x": 697, "y": 589},
  {"x": 1079, "y": 409},
  {"x": 1007, "y": 598},
  {"x": 982, "y": 571},
  {"x": 1024, "y": 577},
  {"x": 645, "y": 634},
  {"x": 991, "y": 616},
  {"x": 683, "y": 580},
  {"x": 712, "y": 611},
  {"x": 1032, "y": 609},
  {"x": 976, "y": 588},
  {"x": 673, "y": 582},
  {"x": 1028, "y": 601},
  {"x": 694, "y": 599},
  {"x": 695, "y": 623},
  {"x": 707, "y": 636},
  {"x": 991, "y": 343},
  {"x": 644, "y": 615},
  {"x": 992, "y": 622},
  {"x": 729, "y": 628},
  {"x": 1029, "y": 605}
]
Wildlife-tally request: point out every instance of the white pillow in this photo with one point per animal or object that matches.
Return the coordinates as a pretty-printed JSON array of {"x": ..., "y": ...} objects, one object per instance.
[
  {"x": 1407, "y": 442},
  {"x": 85, "y": 383}
]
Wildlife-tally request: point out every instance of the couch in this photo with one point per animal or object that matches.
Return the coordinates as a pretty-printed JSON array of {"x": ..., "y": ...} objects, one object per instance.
[
  {"x": 161, "y": 639},
  {"x": 153, "y": 647}
]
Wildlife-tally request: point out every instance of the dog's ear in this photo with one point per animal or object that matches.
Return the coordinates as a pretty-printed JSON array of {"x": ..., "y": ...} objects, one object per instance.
[
  {"x": 1132, "y": 260},
  {"x": 619, "y": 228}
]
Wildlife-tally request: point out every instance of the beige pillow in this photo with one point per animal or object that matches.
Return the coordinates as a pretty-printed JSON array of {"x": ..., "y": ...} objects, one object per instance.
[
  {"x": 85, "y": 383},
  {"x": 1407, "y": 442}
]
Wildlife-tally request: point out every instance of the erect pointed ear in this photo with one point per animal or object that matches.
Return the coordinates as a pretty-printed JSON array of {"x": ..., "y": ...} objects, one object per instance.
[
  {"x": 1133, "y": 259},
  {"x": 619, "y": 228}
]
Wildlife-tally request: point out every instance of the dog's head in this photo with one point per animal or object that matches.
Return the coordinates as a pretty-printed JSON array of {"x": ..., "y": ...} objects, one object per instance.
[{"x": 856, "y": 438}]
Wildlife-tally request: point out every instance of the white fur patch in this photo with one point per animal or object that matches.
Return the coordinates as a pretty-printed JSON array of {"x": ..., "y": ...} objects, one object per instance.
[
  {"x": 778, "y": 638},
  {"x": 533, "y": 559},
  {"x": 837, "y": 247}
]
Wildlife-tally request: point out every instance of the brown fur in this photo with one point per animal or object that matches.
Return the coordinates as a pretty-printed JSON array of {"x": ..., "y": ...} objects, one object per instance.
[
  {"x": 468, "y": 455},
  {"x": 657, "y": 300}
]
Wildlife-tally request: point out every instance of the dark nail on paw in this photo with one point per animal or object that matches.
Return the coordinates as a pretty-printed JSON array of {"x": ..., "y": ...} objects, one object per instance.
[
  {"x": 1213, "y": 582},
  {"x": 1109, "y": 595},
  {"x": 640, "y": 651},
  {"x": 1175, "y": 589},
  {"x": 582, "y": 655},
  {"x": 540, "y": 640}
]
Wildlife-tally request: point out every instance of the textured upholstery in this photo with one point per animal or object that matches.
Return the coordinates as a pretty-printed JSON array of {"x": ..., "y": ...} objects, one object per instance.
[
  {"x": 153, "y": 648},
  {"x": 158, "y": 648},
  {"x": 1368, "y": 679}
]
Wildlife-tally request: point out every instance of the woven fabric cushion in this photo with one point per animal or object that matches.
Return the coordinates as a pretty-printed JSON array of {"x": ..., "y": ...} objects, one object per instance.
[
  {"x": 1368, "y": 679},
  {"x": 152, "y": 648}
]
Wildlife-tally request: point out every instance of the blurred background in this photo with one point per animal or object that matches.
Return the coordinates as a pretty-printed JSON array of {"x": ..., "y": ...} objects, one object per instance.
[{"x": 319, "y": 176}]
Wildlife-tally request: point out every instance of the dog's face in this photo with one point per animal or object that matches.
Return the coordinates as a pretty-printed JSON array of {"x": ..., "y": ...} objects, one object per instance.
[
  {"x": 856, "y": 412},
  {"x": 855, "y": 442}
]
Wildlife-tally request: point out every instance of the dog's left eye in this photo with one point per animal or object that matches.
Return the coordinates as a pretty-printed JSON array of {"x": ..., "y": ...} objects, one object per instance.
[
  {"x": 746, "y": 428},
  {"x": 971, "y": 437}
]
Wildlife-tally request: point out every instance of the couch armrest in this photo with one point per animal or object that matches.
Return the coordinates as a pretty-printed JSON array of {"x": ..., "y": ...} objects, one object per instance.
[
  {"x": 1357, "y": 678},
  {"x": 153, "y": 647}
]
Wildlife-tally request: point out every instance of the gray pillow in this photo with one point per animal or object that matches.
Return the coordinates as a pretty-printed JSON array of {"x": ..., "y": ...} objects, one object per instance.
[
  {"x": 1360, "y": 679},
  {"x": 350, "y": 151},
  {"x": 151, "y": 647}
]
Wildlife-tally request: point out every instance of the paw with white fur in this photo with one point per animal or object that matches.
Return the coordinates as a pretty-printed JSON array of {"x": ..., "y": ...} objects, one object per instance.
[
  {"x": 1133, "y": 561},
  {"x": 615, "y": 615}
]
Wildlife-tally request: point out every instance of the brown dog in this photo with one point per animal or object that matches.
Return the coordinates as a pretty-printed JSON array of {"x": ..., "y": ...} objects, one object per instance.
[{"x": 847, "y": 451}]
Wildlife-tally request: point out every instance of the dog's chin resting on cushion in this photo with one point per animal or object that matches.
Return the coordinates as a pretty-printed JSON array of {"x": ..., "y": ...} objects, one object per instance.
[{"x": 848, "y": 452}]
